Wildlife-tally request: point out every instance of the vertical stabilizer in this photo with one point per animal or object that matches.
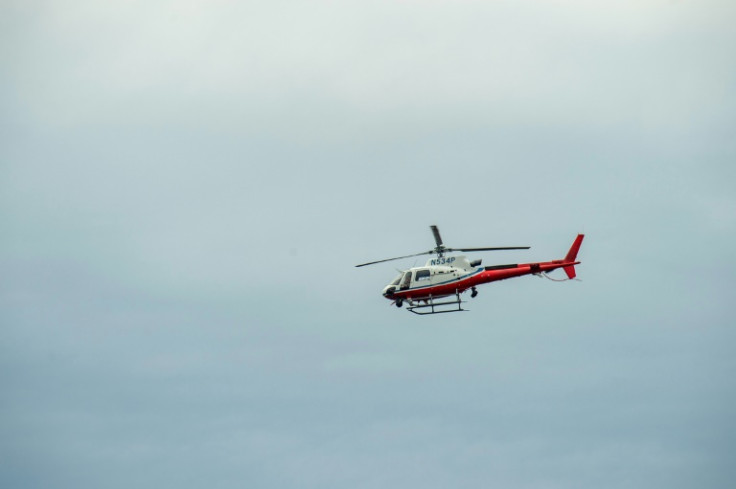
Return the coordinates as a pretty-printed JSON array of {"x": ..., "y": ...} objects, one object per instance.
[{"x": 572, "y": 255}]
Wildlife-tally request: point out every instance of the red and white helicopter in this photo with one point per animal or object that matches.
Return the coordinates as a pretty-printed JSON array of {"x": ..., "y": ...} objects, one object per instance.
[{"x": 448, "y": 276}]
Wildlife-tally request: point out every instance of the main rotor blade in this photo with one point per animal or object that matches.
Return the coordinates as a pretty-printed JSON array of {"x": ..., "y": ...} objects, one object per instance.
[
  {"x": 397, "y": 258},
  {"x": 437, "y": 237},
  {"x": 490, "y": 249}
]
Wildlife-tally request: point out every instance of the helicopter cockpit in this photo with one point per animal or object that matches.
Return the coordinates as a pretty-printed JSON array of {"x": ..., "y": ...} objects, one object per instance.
[
  {"x": 404, "y": 280},
  {"x": 388, "y": 291}
]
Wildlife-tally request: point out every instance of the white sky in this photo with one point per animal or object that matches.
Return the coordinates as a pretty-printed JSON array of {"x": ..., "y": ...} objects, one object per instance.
[{"x": 186, "y": 186}]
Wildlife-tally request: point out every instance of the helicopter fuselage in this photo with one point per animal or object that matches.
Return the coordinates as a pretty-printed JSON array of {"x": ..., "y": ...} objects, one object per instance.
[
  {"x": 433, "y": 282},
  {"x": 445, "y": 276}
]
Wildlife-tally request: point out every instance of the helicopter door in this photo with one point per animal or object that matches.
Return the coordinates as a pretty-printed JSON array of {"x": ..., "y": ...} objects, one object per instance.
[{"x": 406, "y": 281}]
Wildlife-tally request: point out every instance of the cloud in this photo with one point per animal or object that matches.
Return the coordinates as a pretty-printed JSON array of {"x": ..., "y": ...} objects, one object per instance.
[
  {"x": 187, "y": 186},
  {"x": 287, "y": 64}
]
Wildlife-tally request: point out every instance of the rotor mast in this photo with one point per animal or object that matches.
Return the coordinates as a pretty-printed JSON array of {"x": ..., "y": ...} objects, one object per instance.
[{"x": 440, "y": 248}]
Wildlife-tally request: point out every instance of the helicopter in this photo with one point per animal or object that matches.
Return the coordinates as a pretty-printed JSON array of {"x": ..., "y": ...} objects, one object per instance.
[{"x": 446, "y": 277}]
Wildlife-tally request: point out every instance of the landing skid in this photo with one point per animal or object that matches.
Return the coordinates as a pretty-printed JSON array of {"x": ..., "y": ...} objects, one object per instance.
[{"x": 432, "y": 305}]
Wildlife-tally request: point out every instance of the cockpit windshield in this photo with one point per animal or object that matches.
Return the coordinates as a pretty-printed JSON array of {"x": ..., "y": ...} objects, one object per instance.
[{"x": 397, "y": 279}]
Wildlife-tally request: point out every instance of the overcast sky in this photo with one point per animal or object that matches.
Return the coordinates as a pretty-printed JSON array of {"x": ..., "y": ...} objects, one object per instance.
[{"x": 186, "y": 186}]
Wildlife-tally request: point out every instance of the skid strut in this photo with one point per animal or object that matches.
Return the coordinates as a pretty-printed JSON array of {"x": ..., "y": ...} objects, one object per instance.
[{"x": 432, "y": 305}]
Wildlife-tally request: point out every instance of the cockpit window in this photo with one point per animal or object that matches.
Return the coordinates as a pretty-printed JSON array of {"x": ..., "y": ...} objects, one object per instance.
[
  {"x": 421, "y": 275},
  {"x": 397, "y": 279},
  {"x": 407, "y": 281}
]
